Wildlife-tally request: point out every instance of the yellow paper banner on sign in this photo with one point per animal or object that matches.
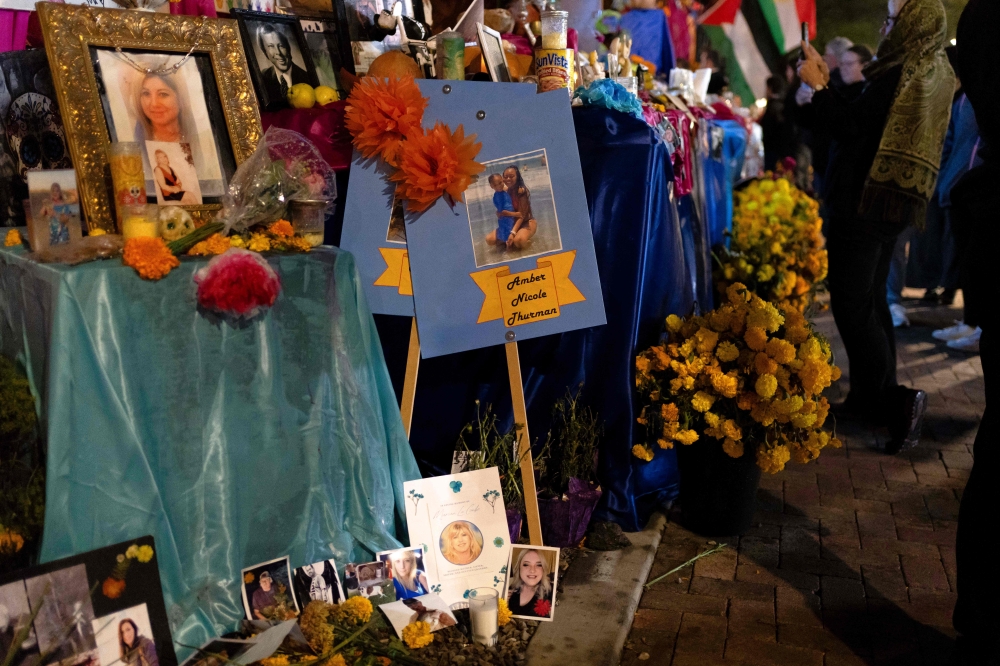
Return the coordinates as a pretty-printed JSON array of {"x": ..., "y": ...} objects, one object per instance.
[
  {"x": 529, "y": 296},
  {"x": 397, "y": 273}
]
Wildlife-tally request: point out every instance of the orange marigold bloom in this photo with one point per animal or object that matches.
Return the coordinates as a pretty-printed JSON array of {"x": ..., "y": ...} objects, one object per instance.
[
  {"x": 214, "y": 244},
  {"x": 150, "y": 257},
  {"x": 382, "y": 113},
  {"x": 436, "y": 163},
  {"x": 282, "y": 229}
]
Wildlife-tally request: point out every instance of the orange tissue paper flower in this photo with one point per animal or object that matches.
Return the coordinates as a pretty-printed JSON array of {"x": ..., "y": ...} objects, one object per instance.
[
  {"x": 381, "y": 113},
  {"x": 150, "y": 257},
  {"x": 438, "y": 162}
]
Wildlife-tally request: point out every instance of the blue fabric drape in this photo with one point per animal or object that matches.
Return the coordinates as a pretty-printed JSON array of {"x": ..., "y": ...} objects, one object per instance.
[
  {"x": 727, "y": 150},
  {"x": 650, "y": 37},
  {"x": 230, "y": 444},
  {"x": 628, "y": 179}
]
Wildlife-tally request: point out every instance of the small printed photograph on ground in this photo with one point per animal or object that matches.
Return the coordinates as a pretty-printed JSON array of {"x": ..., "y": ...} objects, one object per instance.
[
  {"x": 407, "y": 570},
  {"x": 126, "y": 638},
  {"x": 531, "y": 582},
  {"x": 318, "y": 582},
  {"x": 512, "y": 212},
  {"x": 65, "y": 616},
  {"x": 267, "y": 591},
  {"x": 369, "y": 580},
  {"x": 429, "y": 608}
]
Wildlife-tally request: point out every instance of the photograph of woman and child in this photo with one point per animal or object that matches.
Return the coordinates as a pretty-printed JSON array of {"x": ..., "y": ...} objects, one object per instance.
[
  {"x": 406, "y": 566},
  {"x": 531, "y": 585},
  {"x": 512, "y": 212},
  {"x": 55, "y": 208},
  {"x": 164, "y": 108}
]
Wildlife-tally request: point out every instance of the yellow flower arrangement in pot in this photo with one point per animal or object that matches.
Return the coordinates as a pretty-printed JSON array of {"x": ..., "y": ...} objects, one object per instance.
[
  {"x": 776, "y": 246},
  {"x": 745, "y": 379}
]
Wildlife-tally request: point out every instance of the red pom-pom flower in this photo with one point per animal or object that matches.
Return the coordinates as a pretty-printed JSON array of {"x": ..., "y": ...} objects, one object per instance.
[
  {"x": 237, "y": 283},
  {"x": 543, "y": 607}
]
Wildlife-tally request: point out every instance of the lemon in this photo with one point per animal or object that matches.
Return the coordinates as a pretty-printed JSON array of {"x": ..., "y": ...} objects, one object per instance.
[
  {"x": 302, "y": 96},
  {"x": 325, "y": 95}
]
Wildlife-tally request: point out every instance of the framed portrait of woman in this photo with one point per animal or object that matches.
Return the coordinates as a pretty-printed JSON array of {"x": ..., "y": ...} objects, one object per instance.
[
  {"x": 277, "y": 54},
  {"x": 156, "y": 79},
  {"x": 329, "y": 44}
]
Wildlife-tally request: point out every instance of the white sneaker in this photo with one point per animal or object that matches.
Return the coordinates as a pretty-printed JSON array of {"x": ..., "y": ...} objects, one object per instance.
[
  {"x": 959, "y": 330},
  {"x": 899, "y": 318},
  {"x": 969, "y": 343}
]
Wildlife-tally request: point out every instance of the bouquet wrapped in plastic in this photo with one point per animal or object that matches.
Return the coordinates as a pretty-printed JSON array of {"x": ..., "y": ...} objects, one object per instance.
[{"x": 284, "y": 167}]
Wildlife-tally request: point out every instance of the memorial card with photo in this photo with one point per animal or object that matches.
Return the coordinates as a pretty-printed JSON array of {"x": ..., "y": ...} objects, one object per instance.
[
  {"x": 459, "y": 522},
  {"x": 369, "y": 580},
  {"x": 512, "y": 213},
  {"x": 408, "y": 572},
  {"x": 531, "y": 582},
  {"x": 429, "y": 608},
  {"x": 169, "y": 107},
  {"x": 317, "y": 582},
  {"x": 55, "y": 209},
  {"x": 100, "y": 608},
  {"x": 267, "y": 591},
  {"x": 277, "y": 55},
  {"x": 174, "y": 173},
  {"x": 218, "y": 652}
]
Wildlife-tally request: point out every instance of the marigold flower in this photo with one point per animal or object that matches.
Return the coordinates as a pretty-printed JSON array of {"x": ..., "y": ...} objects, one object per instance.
[
  {"x": 132, "y": 552},
  {"x": 436, "y": 163},
  {"x": 674, "y": 323},
  {"x": 504, "y": 613},
  {"x": 713, "y": 420},
  {"x": 727, "y": 351},
  {"x": 237, "y": 241},
  {"x": 113, "y": 587},
  {"x": 766, "y": 385},
  {"x": 417, "y": 635},
  {"x": 702, "y": 401},
  {"x": 686, "y": 437},
  {"x": 12, "y": 238},
  {"x": 10, "y": 541},
  {"x": 725, "y": 384},
  {"x": 145, "y": 554},
  {"x": 706, "y": 340},
  {"x": 772, "y": 459},
  {"x": 356, "y": 610},
  {"x": 803, "y": 420},
  {"x": 764, "y": 364},
  {"x": 259, "y": 243},
  {"x": 756, "y": 338},
  {"x": 150, "y": 257},
  {"x": 642, "y": 453},
  {"x": 282, "y": 229},
  {"x": 669, "y": 412},
  {"x": 764, "y": 315},
  {"x": 214, "y": 244},
  {"x": 382, "y": 113},
  {"x": 731, "y": 430},
  {"x": 733, "y": 448}
]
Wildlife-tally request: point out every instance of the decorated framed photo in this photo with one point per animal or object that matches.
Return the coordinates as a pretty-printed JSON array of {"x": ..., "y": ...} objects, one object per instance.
[
  {"x": 140, "y": 76},
  {"x": 277, "y": 54},
  {"x": 532, "y": 577},
  {"x": 54, "y": 217},
  {"x": 329, "y": 44}
]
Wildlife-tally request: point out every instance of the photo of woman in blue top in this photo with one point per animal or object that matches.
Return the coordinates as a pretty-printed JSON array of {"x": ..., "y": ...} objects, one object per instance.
[{"x": 407, "y": 577}]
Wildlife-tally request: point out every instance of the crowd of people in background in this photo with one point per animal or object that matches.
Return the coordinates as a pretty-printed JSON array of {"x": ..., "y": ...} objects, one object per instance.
[{"x": 902, "y": 144}]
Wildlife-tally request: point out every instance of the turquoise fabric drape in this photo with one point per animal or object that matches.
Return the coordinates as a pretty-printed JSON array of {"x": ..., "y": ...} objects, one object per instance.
[{"x": 230, "y": 444}]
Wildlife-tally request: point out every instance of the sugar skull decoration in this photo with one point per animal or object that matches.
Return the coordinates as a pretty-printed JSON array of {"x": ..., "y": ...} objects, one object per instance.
[{"x": 175, "y": 223}]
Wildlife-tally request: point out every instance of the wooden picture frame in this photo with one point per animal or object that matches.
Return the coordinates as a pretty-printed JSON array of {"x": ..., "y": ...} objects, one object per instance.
[
  {"x": 328, "y": 32},
  {"x": 265, "y": 80},
  {"x": 75, "y": 37}
]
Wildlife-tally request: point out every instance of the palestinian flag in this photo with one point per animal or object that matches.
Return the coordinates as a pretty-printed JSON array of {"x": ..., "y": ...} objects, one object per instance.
[
  {"x": 785, "y": 18},
  {"x": 727, "y": 30}
]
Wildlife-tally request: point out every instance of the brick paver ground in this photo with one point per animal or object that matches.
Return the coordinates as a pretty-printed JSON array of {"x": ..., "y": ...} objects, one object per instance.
[{"x": 852, "y": 557}]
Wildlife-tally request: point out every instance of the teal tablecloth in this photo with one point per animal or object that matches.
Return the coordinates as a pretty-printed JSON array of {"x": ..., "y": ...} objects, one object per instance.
[{"x": 231, "y": 444}]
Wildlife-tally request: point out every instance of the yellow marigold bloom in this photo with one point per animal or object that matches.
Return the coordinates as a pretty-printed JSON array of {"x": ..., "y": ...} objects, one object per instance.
[
  {"x": 810, "y": 349},
  {"x": 674, "y": 323},
  {"x": 686, "y": 437},
  {"x": 702, "y": 401},
  {"x": 664, "y": 443},
  {"x": 737, "y": 294},
  {"x": 356, "y": 610},
  {"x": 764, "y": 364},
  {"x": 720, "y": 319},
  {"x": 12, "y": 238},
  {"x": 706, "y": 340},
  {"x": 669, "y": 412},
  {"x": 687, "y": 348},
  {"x": 713, "y": 420},
  {"x": 755, "y": 337},
  {"x": 504, "y": 613},
  {"x": 766, "y": 385},
  {"x": 670, "y": 429},
  {"x": 298, "y": 244},
  {"x": 642, "y": 453},
  {"x": 10, "y": 541},
  {"x": 733, "y": 448},
  {"x": 803, "y": 420},
  {"x": 237, "y": 241},
  {"x": 259, "y": 243},
  {"x": 731, "y": 430},
  {"x": 145, "y": 554},
  {"x": 282, "y": 229},
  {"x": 336, "y": 660},
  {"x": 772, "y": 459},
  {"x": 789, "y": 405},
  {"x": 214, "y": 244},
  {"x": 725, "y": 384},
  {"x": 276, "y": 660},
  {"x": 641, "y": 365},
  {"x": 764, "y": 315},
  {"x": 780, "y": 350},
  {"x": 316, "y": 627},
  {"x": 815, "y": 376},
  {"x": 747, "y": 400},
  {"x": 727, "y": 351},
  {"x": 836, "y": 443},
  {"x": 834, "y": 373},
  {"x": 765, "y": 273},
  {"x": 763, "y": 413}
]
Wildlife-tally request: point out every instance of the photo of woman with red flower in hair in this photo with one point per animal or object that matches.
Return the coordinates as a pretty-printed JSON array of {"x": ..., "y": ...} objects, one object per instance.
[{"x": 531, "y": 582}]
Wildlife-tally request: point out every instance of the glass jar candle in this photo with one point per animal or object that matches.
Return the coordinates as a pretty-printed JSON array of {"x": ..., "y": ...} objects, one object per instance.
[
  {"x": 554, "y": 27},
  {"x": 127, "y": 176},
  {"x": 140, "y": 221},
  {"x": 484, "y": 615}
]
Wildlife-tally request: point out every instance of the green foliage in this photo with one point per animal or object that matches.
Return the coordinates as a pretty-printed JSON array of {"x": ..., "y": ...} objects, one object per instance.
[
  {"x": 571, "y": 446},
  {"x": 491, "y": 448},
  {"x": 22, "y": 473}
]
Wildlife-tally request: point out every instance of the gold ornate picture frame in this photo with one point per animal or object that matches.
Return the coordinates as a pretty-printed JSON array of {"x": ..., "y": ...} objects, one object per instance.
[{"x": 73, "y": 33}]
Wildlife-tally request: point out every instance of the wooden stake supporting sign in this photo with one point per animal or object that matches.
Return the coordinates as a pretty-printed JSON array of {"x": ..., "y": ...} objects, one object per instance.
[{"x": 410, "y": 378}]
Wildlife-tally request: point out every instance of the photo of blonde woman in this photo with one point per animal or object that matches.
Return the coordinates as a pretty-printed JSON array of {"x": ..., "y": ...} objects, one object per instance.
[
  {"x": 531, "y": 584},
  {"x": 174, "y": 174},
  {"x": 461, "y": 542},
  {"x": 406, "y": 566}
]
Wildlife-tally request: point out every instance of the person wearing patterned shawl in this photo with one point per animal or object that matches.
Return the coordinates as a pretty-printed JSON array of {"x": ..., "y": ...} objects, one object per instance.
[{"x": 880, "y": 184}]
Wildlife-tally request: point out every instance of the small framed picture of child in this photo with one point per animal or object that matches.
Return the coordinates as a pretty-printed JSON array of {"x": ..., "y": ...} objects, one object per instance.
[{"x": 55, "y": 209}]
